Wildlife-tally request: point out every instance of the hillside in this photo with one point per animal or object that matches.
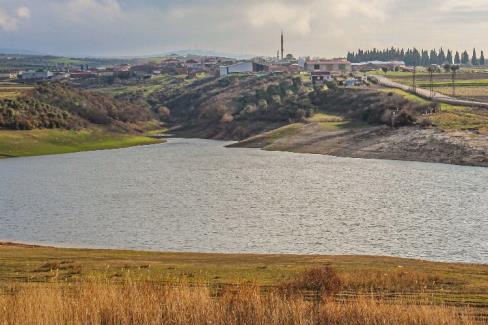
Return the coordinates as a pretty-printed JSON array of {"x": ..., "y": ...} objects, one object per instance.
[
  {"x": 354, "y": 123},
  {"x": 239, "y": 107},
  {"x": 55, "y": 118}
]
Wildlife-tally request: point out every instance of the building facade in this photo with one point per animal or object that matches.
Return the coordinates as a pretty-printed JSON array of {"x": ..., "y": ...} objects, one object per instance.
[
  {"x": 332, "y": 66},
  {"x": 242, "y": 67}
]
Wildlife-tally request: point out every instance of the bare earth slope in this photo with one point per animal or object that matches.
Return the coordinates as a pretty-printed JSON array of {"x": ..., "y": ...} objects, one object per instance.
[{"x": 380, "y": 142}]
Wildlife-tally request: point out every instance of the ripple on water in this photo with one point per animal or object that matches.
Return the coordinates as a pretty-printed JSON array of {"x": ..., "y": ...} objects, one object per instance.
[{"x": 196, "y": 195}]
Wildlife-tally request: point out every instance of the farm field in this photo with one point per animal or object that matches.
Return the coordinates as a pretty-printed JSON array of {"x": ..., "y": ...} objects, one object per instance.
[
  {"x": 10, "y": 90},
  {"x": 469, "y": 85}
]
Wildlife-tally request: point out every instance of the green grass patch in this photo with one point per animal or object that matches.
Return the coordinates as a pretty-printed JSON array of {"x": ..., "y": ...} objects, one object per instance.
[
  {"x": 324, "y": 117},
  {"x": 406, "y": 95},
  {"x": 285, "y": 131},
  {"x": 396, "y": 73},
  {"x": 458, "y": 83},
  {"x": 56, "y": 141}
]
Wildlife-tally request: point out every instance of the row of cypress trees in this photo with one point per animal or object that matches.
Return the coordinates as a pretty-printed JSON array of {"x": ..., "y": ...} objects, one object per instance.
[{"x": 414, "y": 57}]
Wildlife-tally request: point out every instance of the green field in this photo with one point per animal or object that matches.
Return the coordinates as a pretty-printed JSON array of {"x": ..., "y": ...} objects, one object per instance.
[
  {"x": 166, "y": 83},
  {"x": 10, "y": 90},
  {"x": 470, "y": 85},
  {"x": 56, "y": 141}
]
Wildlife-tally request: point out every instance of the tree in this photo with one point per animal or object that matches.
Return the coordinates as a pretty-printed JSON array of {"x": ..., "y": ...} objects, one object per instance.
[
  {"x": 441, "y": 58},
  {"x": 457, "y": 58},
  {"x": 474, "y": 58},
  {"x": 425, "y": 58},
  {"x": 482, "y": 58},
  {"x": 384, "y": 69},
  {"x": 416, "y": 57},
  {"x": 449, "y": 57},
  {"x": 465, "y": 58},
  {"x": 433, "y": 57}
]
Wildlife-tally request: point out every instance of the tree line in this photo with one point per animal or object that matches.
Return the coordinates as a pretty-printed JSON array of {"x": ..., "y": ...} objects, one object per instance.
[{"x": 414, "y": 57}]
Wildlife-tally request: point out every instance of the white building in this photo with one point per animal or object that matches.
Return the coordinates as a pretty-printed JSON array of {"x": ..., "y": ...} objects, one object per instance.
[
  {"x": 339, "y": 65},
  {"x": 35, "y": 75},
  {"x": 320, "y": 77},
  {"x": 242, "y": 67},
  {"x": 8, "y": 75}
]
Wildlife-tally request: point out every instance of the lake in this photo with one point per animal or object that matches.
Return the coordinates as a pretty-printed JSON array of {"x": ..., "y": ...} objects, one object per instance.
[{"x": 195, "y": 195}]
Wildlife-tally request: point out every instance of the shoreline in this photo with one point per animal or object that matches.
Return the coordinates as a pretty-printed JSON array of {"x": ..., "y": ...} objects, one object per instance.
[
  {"x": 45, "y": 142},
  {"x": 415, "y": 144},
  {"x": 456, "y": 284},
  {"x": 27, "y": 245}
]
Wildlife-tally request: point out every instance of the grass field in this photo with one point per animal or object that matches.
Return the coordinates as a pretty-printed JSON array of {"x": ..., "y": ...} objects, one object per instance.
[
  {"x": 56, "y": 141},
  {"x": 469, "y": 85},
  {"x": 9, "y": 90},
  {"x": 450, "y": 117},
  {"x": 165, "y": 83},
  {"x": 65, "y": 276},
  {"x": 477, "y": 93}
]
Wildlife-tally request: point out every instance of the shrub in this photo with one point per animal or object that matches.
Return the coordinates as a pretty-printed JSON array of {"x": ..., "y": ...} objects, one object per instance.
[
  {"x": 164, "y": 113},
  {"x": 323, "y": 281}
]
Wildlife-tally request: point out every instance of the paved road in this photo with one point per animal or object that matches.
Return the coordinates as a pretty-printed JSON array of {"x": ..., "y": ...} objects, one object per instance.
[{"x": 382, "y": 80}]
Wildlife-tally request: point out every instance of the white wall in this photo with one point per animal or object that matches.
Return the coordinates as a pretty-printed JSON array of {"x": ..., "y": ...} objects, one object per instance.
[{"x": 237, "y": 68}]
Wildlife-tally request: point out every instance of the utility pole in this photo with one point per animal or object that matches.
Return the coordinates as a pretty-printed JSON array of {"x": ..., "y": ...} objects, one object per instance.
[
  {"x": 282, "y": 46},
  {"x": 454, "y": 69},
  {"x": 414, "y": 81},
  {"x": 431, "y": 70}
]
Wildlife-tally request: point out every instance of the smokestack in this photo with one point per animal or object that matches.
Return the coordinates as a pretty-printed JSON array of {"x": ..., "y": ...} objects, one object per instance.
[{"x": 282, "y": 46}]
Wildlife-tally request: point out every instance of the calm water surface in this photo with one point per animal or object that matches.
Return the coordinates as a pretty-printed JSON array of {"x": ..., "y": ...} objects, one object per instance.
[{"x": 196, "y": 195}]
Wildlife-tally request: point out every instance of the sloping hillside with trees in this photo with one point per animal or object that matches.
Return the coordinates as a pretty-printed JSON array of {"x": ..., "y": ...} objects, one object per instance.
[
  {"x": 59, "y": 106},
  {"x": 55, "y": 118}
]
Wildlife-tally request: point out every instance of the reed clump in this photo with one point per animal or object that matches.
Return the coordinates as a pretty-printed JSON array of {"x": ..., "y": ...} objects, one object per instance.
[{"x": 136, "y": 302}]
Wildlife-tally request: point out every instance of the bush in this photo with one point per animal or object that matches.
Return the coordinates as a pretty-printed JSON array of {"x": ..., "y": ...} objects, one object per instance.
[
  {"x": 323, "y": 281},
  {"x": 164, "y": 113}
]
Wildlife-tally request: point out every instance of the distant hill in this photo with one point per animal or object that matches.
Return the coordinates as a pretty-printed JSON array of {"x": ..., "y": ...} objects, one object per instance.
[
  {"x": 19, "y": 51},
  {"x": 209, "y": 53}
]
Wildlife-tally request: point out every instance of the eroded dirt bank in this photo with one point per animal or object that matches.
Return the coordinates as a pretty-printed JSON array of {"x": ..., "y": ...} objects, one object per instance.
[{"x": 379, "y": 142}]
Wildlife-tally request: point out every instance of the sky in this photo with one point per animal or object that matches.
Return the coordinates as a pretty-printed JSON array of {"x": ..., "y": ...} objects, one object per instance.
[{"x": 327, "y": 28}]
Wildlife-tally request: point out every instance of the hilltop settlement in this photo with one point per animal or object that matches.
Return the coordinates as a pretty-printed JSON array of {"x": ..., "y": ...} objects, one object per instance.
[{"x": 384, "y": 104}]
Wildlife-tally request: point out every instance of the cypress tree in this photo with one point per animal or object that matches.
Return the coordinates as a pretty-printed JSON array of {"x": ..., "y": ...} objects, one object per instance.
[
  {"x": 441, "y": 58},
  {"x": 465, "y": 58},
  {"x": 416, "y": 57},
  {"x": 449, "y": 57},
  {"x": 457, "y": 58},
  {"x": 482, "y": 58},
  {"x": 425, "y": 58},
  {"x": 433, "y": 57},
  {"x": 474, "y": 58}
]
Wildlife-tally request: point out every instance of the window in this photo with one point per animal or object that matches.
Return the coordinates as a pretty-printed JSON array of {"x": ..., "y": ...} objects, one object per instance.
[{"x": 316, "y": 67}]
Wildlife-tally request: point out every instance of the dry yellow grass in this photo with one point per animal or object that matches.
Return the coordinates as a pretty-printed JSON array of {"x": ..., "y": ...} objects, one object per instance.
[{"x": 150, "y": 303}]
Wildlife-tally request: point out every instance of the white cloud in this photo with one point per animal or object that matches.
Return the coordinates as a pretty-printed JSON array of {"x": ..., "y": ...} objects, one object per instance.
[
  {"x": 82, "y": 11},
  {"x": 295, "y": 18},
  {"x": 23, "y": 12},
  {"x": 301, "y": 18},
  {"x": 312, "y": 27},
  {"x": 10, "y": 22},
  {"x": 375, "y": 9},
  {"x": 463, "y": 6}
]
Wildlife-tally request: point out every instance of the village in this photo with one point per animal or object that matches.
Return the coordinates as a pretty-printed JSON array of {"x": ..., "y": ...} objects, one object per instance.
[{"x": 318, "y": 70}]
